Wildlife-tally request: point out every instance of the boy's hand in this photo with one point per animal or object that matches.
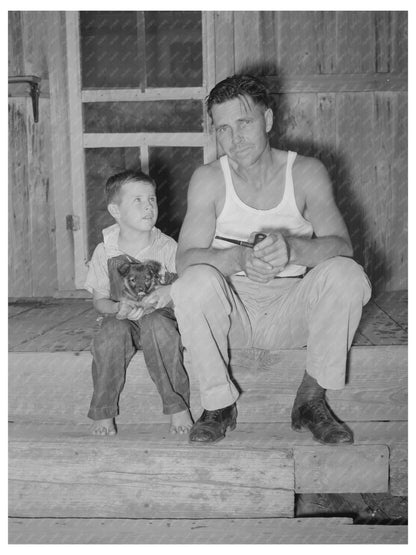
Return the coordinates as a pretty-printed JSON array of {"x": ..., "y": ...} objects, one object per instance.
[
  {"x": 159, "y": 298},
  {"x": 135, "y": 313}
]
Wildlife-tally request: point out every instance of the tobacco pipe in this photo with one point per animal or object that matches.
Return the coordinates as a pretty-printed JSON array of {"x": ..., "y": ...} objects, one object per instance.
[{"x": 257, "y": 238}]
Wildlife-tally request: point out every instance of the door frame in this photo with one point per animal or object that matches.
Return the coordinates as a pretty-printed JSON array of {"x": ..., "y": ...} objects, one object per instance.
[{"x": 80, "y": 140}]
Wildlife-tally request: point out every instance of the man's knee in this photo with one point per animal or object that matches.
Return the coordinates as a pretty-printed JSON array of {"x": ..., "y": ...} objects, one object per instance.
[
  {"x": 346, "y": 277},
  {"x": 195, "y": 284},
  {"x": 158, "y": 319}
]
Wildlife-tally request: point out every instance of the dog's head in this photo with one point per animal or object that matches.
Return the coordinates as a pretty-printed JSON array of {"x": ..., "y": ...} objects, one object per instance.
[{"x": 140, "y": 278}]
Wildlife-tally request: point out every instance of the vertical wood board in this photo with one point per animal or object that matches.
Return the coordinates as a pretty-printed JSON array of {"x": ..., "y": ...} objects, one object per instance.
[
  {"x": 20, "y": 269},
  {"x": 224, "y": 45}
]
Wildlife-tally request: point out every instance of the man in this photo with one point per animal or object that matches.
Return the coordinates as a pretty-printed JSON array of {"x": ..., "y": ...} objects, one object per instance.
[{"x": 298, "y": 286}]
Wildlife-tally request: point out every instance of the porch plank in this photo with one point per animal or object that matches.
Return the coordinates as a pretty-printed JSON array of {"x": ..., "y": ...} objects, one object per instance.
[
  {"x": 123, "y": 478},
  {"x": 395, "y": 304},
  {"x": 340, "y": 469},
  {"x": 59, "y": 385},
  {"x": 193, "y": 531},
  {"x": 36, "y": 322},
  {"x": 73, "y": 334},
  {"x": 384, "y": 322},
  {"x": 371, "y": 438},
  {"x": 379, "y": 328}
]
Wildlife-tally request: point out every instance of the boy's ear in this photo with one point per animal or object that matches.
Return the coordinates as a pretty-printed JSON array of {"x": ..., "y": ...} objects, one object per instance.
[{"x": 114, "y": 210}]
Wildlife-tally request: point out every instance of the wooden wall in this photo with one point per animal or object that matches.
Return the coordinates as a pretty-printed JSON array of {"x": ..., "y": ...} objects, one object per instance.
[
  {"x": 40, "y": 247},
  {"x": 341, "y": 91}
]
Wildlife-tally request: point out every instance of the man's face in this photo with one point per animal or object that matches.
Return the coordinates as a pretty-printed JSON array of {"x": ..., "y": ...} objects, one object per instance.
[
  {"x": 241, "y": 128},
  {"x": 137, "y": 208}
]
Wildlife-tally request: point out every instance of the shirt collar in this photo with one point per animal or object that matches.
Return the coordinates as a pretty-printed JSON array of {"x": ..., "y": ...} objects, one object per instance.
[{"x": 111, "y": 235}]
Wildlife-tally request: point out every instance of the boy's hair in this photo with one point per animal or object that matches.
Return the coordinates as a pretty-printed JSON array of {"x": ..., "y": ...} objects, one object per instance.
[
  {"x": 116, "y": 182},
  {"x": 236, "y": 86}
]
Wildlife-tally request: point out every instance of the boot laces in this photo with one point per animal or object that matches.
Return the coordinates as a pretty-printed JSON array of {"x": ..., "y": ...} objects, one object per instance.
[{"x": 212, "y": 415}]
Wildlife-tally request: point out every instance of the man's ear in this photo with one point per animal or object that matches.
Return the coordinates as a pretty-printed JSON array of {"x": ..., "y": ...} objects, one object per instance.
[
  {"x": 114, "y": 210},
  {"x": 268, "y": 117}
]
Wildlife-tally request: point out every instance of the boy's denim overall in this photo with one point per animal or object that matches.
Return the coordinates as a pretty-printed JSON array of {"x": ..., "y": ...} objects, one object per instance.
[{"x": 113, "y": 348}]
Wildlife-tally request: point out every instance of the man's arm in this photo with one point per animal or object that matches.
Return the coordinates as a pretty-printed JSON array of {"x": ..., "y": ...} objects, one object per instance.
[
  {"x": 199, "y": 226},
  {"x": 331, "y": 234}
]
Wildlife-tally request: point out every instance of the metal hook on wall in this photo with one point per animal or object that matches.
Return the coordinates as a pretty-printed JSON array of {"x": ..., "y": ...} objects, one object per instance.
[{"x": 34, "y": 92}]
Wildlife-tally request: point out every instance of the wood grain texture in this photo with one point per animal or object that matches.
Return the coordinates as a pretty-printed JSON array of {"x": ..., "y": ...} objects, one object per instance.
[
  {"x": 224, "y": 45},
  {"x": 247, "y": 41},
  {"x": 59, "y": 384},
  {"x": 341, "y": 469},
  {"x": 19, "y": 262},
  {"x": 42, "y": 318},
  {"x": 131, "y": 479},
  {"x": 259, "y": 436},
  {"x": 214, "y": 531}
]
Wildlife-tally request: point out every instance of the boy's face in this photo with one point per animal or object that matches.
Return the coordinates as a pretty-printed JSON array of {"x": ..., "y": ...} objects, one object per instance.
[{"x": 137, "y": 208}]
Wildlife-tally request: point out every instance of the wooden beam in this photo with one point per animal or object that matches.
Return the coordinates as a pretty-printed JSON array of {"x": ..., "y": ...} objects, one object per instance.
[
  {"x": 340, "y": 83},
  {"x": 111, "y": 140},
  {"x": 87, "y": 477},
  {"x": 133, "y": 95},
  {"x": 60, "y": 146},
  {"x": 78, "y": 185},
  {"x": 342, "y": 469},
  {"x": 377, "y": 388}
]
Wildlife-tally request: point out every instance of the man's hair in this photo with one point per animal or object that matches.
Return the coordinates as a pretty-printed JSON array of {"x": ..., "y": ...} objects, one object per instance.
[
  {"x": 236, "y": 86},
  {"x": 116, "y": 182}
]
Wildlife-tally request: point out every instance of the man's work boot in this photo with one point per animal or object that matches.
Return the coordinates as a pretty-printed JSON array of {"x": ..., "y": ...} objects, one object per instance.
[
  {"x": 212, "y": 425},
  {"x": 317, "y": 416}
]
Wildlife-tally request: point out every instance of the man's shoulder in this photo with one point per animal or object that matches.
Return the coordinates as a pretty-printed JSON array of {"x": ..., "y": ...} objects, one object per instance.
[
  {"x": 310, "y": 176},
  {"x": 207, "y": 181},
  {"x": 208, "y": 172},
  {"x": 306, "y": 164}
]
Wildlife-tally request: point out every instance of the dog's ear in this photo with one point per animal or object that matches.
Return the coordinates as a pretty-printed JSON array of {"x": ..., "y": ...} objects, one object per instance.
[
  {"x": 123, "y": 270},
  {"x": 154, "y": 266}
]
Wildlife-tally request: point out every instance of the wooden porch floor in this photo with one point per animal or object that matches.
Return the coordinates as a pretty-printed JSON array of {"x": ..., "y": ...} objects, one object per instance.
[
  {"x": 145, "y": 486},
  {"x": 68, "y": 324}
]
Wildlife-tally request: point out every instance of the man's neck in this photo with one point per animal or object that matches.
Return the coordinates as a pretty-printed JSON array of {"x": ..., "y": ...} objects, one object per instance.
[
  {"x": 257, "y": 173},
  {"x": 132, "y": 241}
]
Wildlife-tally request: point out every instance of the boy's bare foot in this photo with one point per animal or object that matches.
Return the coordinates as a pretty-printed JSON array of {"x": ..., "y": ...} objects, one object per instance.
[
  {"x": 181, "y": 422},
  {"x": 105, "y": 427}
]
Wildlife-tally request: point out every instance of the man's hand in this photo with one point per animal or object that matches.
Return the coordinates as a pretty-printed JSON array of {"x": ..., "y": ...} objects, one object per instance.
[
  {"x": 273, "y": 250},
  {"x": 255, "y": 268}
]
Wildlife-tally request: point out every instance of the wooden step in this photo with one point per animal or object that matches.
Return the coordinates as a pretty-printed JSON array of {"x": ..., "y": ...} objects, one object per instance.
[
  {"x": 58, "y": 386},
  {"x": 145, "y": 472},
  {"x": 212, "y": 531}
]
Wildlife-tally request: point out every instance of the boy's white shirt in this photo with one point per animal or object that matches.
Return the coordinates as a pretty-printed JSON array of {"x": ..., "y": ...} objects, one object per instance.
[{"x": 161, "y": 248}]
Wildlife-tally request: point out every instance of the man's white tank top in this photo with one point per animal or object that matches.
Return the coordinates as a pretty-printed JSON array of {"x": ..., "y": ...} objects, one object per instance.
[{"x": 238, "y": 220}]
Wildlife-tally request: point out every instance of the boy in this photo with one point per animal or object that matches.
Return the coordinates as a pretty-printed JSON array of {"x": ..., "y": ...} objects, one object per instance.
[{"x": 131, "y": 200}]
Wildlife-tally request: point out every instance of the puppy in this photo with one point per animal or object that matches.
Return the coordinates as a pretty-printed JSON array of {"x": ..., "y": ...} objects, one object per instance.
[{"x": 139, "y": 280}]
